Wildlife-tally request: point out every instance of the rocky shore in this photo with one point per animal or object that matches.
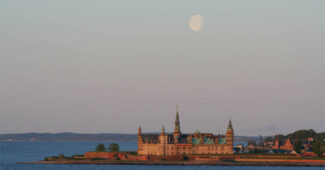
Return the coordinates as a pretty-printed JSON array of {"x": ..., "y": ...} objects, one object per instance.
[
  {"x": 317, "y": 163},
  {"x": 131, "y": 158}
]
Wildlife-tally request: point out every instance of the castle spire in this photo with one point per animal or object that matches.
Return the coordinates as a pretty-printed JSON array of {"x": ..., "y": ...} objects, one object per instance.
[
  {"x": 139, "y": 130},
  {"x": 163, "y": 129},
  {"x": 177, "y": 124},
  {"x": 229, "y": 125},
  {"x": 177, "y": 130}
]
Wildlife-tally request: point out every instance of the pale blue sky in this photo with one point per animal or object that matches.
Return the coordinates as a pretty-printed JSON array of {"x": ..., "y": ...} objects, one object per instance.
[{"x": 109, "y": 66}]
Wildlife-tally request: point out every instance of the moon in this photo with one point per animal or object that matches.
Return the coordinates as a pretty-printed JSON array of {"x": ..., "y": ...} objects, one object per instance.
[{"x": 196, "y": 22}]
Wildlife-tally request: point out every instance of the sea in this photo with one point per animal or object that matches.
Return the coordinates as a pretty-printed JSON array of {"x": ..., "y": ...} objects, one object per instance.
[{"x": 17, "y": 151}]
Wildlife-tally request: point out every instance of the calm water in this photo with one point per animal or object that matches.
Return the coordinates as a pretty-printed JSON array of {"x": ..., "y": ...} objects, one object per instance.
[{"x": 12, "y": 152}]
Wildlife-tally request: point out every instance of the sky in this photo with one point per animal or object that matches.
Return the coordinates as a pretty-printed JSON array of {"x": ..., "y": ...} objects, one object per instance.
[{"x": 96, "y": 66}]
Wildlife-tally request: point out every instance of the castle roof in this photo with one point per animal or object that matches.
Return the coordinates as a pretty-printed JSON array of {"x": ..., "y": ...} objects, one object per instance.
[
  {"x": 203, "y": 138},
  {"x": 282, "y": 141},
  {"x": 150, "y": 138}
]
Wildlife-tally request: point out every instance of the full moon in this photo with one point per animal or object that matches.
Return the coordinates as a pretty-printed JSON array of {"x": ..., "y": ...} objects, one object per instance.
[{"x": 196, "y": 22}]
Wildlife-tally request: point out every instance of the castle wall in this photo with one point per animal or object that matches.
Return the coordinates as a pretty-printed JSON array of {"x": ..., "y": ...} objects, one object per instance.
[{"x": 185, "y": 149}]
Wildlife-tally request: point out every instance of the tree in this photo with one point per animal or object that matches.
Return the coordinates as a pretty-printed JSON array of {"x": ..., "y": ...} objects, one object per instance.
[
  {"x": 298, "y": 146},
  {"x": 318, "y": 147},
  {"x": 114, "y": 147},
  {"x": 302, "y": 134},
  {"x": 320, "y": 136},
  {"x": 268, "y": 139},
  {"x": 100, "y": 148},
  {"x": 251, "y": 142},
  {"x": 280, "y": 137}
]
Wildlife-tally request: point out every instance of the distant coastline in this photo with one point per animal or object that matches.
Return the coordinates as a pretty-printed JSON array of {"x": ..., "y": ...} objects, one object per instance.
[{"x": 70, "y": 136}]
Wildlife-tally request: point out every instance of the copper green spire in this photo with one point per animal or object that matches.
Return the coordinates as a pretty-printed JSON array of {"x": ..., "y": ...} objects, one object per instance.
[
  {"x": 163, "y": 129},
  {"x": 229, "y": 125},
  {"x": 177, "y": 124},
  {"x": 139, "y": 130}
]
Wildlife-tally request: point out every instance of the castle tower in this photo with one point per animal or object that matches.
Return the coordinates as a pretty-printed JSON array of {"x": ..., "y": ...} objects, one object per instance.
[
  {"x": 139, "y": 131},
  {"x": 140, "y": 142},
  {"x": 162, "y": 141},
  {"x": 177, "y": 130},
  {"x": 230, "y": 134}
]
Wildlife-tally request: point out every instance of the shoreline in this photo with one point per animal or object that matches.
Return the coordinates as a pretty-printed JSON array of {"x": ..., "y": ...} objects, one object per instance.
[{"x": 181, "y": 163}]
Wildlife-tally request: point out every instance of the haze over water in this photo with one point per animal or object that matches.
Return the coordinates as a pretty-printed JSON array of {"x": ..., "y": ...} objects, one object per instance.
[{"x": 110, "y": 66}]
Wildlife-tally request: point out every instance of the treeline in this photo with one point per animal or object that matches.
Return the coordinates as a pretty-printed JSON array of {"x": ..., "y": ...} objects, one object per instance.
[
  {"x": 301, "y": 138},
  {"x": 303, "y": 135}
]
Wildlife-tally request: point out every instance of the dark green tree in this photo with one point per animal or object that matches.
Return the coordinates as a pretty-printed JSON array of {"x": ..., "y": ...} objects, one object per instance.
[
  {"x": 298, "y": 146},
  {"x": 251, "y": 142},
  {"x": 302, "y": 134},
  {"x": 320, "y": 136},
  {"x": 100, "y": 148},
  {"x": 280, "y": 137},
  {"x": 114, "y": 147},
  {"x": 318, "y": 147},
  {"x": 268, "y": 139}
]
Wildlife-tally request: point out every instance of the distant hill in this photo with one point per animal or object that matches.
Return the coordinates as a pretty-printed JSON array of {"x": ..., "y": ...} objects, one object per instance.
[{"x": 68, "y": 136}]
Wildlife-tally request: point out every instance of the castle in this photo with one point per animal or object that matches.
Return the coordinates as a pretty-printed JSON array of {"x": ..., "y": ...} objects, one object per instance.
[{"x": 185, "y": 144}]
